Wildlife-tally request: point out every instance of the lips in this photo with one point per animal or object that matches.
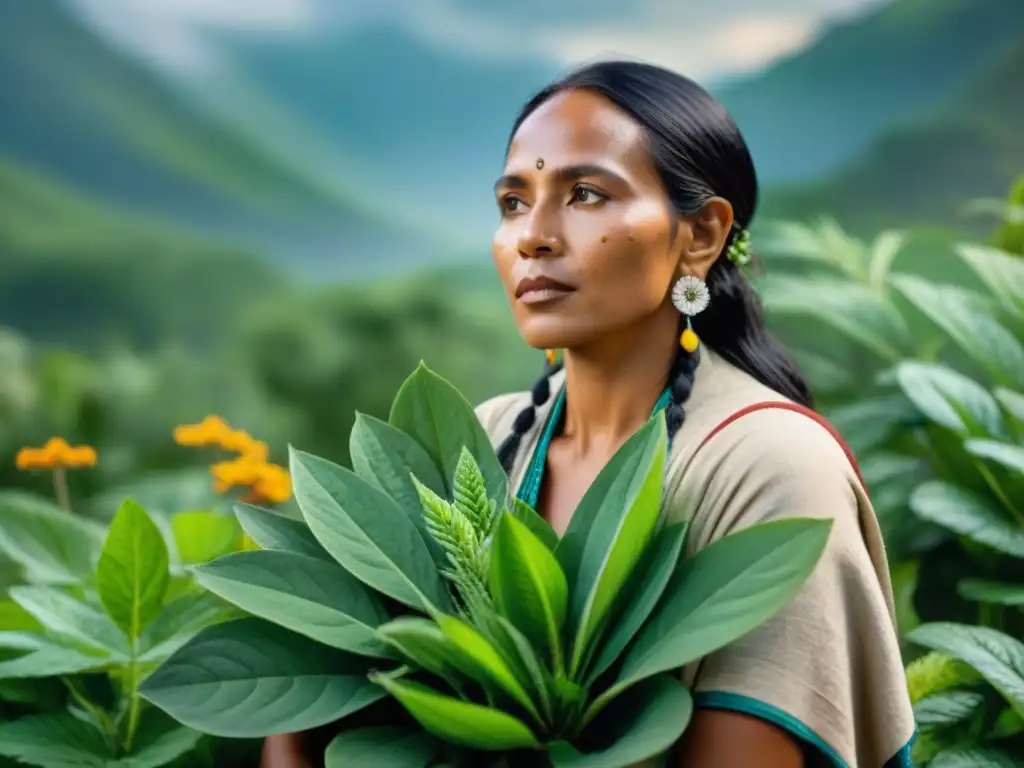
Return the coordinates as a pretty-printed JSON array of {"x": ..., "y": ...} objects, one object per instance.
[{"x": 541, "y": 285}]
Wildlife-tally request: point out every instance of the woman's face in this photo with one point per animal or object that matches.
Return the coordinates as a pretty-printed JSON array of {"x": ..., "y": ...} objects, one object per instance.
[{"x": 588, "y": 244}]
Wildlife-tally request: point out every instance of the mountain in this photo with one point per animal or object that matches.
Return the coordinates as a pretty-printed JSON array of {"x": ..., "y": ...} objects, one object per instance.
[
  {"x": 806, "y": 115},
  {"x": 99, "y": 121},
  {"x": 925, "y": 171}
]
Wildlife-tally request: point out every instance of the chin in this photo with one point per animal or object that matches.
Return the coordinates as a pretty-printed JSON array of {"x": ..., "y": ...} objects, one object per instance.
[{"x": 552, "y": 333}]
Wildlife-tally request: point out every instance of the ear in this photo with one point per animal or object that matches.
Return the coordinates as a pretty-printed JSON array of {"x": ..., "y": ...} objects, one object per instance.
[{"x": 710, "y": 229}]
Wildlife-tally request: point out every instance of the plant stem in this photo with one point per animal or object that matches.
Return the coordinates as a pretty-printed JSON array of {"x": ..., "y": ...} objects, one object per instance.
[
  {"x": 133, "y": 699},
  {"x": 96, "y": 711},
  {"x": 997, "y": 489},
  {"x": 60, "y": 488}
]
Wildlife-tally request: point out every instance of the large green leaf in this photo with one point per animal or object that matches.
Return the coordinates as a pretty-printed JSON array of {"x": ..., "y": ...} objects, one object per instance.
[
  {"x": 991, "y": 592},
  {"x": 50, "y": 660},
  {"x": 202, "y": 535},
  {"x": 272, "y": 530},
  {"x": 458, "y": 721},
  {"x": 975, "y": 757},
  {"x": 998, "y": 657},
  {"x": 528, "y": 585},
  {"x": 947, "y": 708},
  {"x": 1009, "y": 456},
  {"x": 1013, "y": 402},
  {"x": 54, "y": 546},
  {"x": 366, "y": 531},
  {"x": 69, "y": 618},
  {"x": 995, "y": 348},
  {"x": 249, "y": 678},
  {"x": 644, "y": 722},
  {"x": 304, "y": 594},
  {"x": 721, "y": 594},
  {"x": 950, "y": 399},
  {"x": 622, "y": 530},
  {"x": 133, "y": 574},
  {"x": 1002, "y": 273},
  {"x": 423, "y": 643},
  {"x": 158, "y": 741},
  {"x": 54, "y": 740},
  {"x": 540, "y": 527},
  {"x": 966, "y": 514},
  {"x": 178, "y": 622},
  {"x": 643, "y": 594},
  {"x": 382, "y": 745},
  {"x": 434, "y": 413}
]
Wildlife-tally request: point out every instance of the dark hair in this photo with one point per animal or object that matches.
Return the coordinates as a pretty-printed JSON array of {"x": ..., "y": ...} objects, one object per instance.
[{"x": 699, "y": 153}]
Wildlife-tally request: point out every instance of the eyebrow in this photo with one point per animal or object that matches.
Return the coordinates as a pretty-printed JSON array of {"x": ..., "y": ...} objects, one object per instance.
[{"x": 562, "y": 175}]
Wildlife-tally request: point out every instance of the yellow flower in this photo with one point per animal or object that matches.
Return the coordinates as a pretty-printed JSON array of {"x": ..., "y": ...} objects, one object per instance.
[
  {"x": 210, "y": 431},
  {"x": 274, "y": 484},
  {"x": 242, "y": 442},
  {"x": 56, "y": 454}
]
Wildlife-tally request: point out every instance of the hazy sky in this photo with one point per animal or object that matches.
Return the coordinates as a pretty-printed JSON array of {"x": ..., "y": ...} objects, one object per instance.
[{"x": 701, "y": 38}]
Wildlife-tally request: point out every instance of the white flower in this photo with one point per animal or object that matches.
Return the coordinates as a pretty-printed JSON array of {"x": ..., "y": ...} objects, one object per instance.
[{"x": 690, "y": 295}]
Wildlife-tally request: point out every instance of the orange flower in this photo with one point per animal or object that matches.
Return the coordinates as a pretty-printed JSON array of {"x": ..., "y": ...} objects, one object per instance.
[
  {"x": 227, "y": 474},
  {"x": 242, "y": 442},
  {"x": 56, "y": 454},
  {"x": 266, "y": 482},
  {"x": 274, "y": 484},
  {"x": 210, "y": 431}
]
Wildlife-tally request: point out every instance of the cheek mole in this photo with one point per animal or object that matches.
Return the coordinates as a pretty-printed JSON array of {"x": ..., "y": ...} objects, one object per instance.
[{"x": 604, "y": 238}]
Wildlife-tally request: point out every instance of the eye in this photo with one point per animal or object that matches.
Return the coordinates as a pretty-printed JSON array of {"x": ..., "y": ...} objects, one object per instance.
[
  {"x": 510, "y": 204},
  {"x": 586, "y": 195}
]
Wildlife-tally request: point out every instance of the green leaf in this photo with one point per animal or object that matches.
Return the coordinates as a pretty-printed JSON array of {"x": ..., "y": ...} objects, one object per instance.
[
  {"x": 13, "y": 617},
  {"x": 721, "y": 594},
  {"x": 1010, "y": 456},
  {"x": 51, "y": 544},
  {"x": 1012, "y": 402},
  {"x": 645, "y": 722},
  {"x": 248, "y": 678},
  {"x": 998, "y": 657},
  {"x": 424, "y": 644},
  {"x": 158, "y": 741},
  {"x": 457, "y": 721},
  {"x": 366, "y": 531},
  {"x": 382, "y": 745},
  {"x": 975, "y": 757},
  {"x": 133, "y": 573},
  {"x": 50, "y": 661},
  {"x": 179, "y": 621},
  {"x": 623, "y": 527},
  {"x": 982, "y": 591},
  {"x": 528, "y": 585},
  {"x": 272, "y": 530},
  {"x": 469, "y": 493},
  {"x": 203, "y": 535},
  {"x": 947, "y": 708},
  {"x": 966, "y": 514},
  {"x": 388, "y": 458},
  {"x": 538, "y": 526},
  {"x": 69, "y": 618},
  {"x": 314, "y": 598},
  {"x": 975, "y": 332},
  {"x": 950, "y": 399},
  {"x": 644, "y": 592},
  {"x": 434, "y": 413},
  {"x": 1002, "y": 273},
  {"x": 884, "y": 251},
  {"x": 54, "y": 740},
  {"x": 480, "y": 660}
]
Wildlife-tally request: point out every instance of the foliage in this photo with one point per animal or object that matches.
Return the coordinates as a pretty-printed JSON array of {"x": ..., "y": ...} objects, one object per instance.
[
  {"x": 414, "y": 580},
  {"x": 99, "y": 611},
  {"x": 940, "y": 433}
]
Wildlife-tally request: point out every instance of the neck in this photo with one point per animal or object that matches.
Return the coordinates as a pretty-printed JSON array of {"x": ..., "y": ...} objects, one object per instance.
[{"x": 612, "y": 385}]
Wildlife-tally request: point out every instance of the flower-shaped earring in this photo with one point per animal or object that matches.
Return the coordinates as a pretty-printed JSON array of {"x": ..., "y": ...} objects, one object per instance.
[{"x": 691, "y": 296}]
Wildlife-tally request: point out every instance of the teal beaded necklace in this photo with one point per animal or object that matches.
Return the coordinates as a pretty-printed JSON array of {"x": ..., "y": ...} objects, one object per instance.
[{"x": 529, "y": 490}]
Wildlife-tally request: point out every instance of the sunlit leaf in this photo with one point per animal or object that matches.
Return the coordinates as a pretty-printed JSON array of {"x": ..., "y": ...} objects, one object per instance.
[{"x": 966, "y": 514}]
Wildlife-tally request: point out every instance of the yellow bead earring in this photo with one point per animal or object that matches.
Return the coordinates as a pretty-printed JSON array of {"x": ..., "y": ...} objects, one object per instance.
[
  {"x": 551, "y": 355},
  {"x": 691, "y": 296}
]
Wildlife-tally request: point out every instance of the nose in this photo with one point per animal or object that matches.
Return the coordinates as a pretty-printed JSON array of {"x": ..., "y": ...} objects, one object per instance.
[{"x": 540, "y": 236}]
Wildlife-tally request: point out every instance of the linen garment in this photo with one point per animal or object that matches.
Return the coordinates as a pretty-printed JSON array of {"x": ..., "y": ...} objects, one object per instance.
[{"x": 827, "y": 667}]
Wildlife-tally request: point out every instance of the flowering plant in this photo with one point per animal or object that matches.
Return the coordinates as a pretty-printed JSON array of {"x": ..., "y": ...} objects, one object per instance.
[{"x": 442, "y": 622}]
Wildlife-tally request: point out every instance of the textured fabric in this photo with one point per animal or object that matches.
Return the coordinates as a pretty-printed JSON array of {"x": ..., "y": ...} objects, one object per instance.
[{"x": 828, "y": 665}]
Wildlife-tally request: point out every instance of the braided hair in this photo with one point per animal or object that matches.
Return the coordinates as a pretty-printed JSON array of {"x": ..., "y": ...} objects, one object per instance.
[{"x": 699, "y": 153}]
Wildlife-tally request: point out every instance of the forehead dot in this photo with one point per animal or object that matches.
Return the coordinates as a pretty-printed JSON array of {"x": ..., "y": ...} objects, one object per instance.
[{"x": 540, "y": 163}]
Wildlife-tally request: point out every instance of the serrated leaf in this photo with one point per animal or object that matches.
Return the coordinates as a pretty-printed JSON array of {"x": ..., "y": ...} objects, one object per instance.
[
  {"x": 950, "y": 399},
  {"x": 248, "y": 678},
  {"x": 203, "y": 535},
  {"x": 645, "y": 592},
  {"x": 460, "y": 722},
  {"x": 998, "y": 657},
  {"x": 366, "y": 531},
  {"x": 54, "y": 546},
  {"x": 434, "y": 413},
  {"x": 645, "y": 722},
  {"x": 977, "y": 333},
  {"x": 67, "y": 617},
  {"x": 382, "y": 745},
  {"x": 947, "y": 708},
  {"x": 528, "y": 585},
  {"x": 304, "y": 594},
  {"x": 272, "y": 530},
  {"x": 133, "y": 575},
  {"x": 966, "y": 514},
  {"x": 993, "y": 592}
]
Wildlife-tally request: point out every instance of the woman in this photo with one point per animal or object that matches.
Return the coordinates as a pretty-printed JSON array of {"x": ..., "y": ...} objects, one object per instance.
[{"x": 625, "y": 203}]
